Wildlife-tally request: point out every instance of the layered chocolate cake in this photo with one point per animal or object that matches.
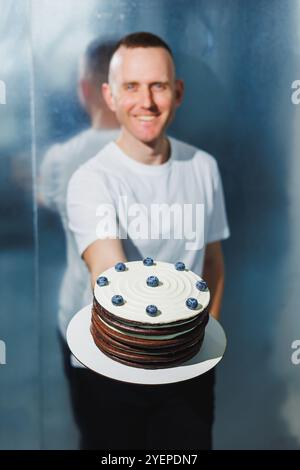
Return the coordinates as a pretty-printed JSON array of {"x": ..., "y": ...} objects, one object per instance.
[{"x": 149, "y": 314}]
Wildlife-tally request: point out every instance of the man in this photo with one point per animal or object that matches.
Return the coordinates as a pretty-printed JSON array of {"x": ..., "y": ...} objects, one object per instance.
[
  {"x": 144, "y": 167},
  {"x": 62, "y": 160}
]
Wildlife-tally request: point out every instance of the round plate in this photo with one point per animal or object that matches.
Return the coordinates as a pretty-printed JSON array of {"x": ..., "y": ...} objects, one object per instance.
[{"x": 81, "y": 344}]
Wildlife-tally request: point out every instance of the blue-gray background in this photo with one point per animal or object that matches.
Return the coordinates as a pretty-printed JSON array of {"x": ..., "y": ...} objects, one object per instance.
[{"x": 238, "y": 59}]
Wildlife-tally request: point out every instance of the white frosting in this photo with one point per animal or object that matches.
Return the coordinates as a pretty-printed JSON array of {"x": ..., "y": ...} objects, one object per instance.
[{"x": 169, "y": 297}]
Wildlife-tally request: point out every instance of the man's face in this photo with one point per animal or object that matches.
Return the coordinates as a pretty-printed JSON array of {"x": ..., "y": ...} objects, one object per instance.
[{"x": 143, "y": 91}]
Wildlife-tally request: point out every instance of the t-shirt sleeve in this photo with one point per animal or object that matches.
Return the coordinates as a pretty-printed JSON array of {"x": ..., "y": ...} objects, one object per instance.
[
  {"x": 90, "y": 208},
  {"x": 49, "y": 182},
  {"x": 218, "y": 225}
]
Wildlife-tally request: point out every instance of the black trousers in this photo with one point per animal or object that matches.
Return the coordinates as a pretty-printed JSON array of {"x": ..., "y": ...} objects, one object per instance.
[{"x": 117, "y": 415}]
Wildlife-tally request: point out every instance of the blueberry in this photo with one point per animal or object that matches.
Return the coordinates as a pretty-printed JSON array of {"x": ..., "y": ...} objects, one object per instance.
[
  {"x": 117, "y": 300},
  {"x": 102, "y": 281},
  {"x": 201, "y": 285},
  {"x": 180, "y": 266},
  {"x": 191, "y": 303},
  {"x": 148, "y": 261},
  {"x": 151, "y": 310},
  {"x": 152, "y": 281},
  {"x": 120, "y": 267}
]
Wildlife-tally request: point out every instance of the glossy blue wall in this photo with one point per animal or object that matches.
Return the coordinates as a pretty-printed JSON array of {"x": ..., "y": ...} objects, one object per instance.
[{"x": 239, "y": 60}]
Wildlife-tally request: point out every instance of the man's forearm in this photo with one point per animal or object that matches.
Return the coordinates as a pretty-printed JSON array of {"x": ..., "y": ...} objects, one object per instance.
[
  {"x": 216, "y": 287},
  {"x": 101, "y": 255},
  {"x": 214, "y": 275}
]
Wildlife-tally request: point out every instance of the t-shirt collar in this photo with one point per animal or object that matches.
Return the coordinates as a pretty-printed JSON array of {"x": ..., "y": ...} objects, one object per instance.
[{"x": 143, "y": 167}]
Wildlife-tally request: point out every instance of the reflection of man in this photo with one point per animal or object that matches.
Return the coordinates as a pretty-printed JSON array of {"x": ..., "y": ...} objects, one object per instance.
[
  {"x": 146, "y": 167},
  {"x": 63, "y": 159}
]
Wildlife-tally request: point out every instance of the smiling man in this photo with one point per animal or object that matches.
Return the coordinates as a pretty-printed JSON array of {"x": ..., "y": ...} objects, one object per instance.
[
  {"x": 141, "y": 171},
  {"x": 144, "y": 94}
]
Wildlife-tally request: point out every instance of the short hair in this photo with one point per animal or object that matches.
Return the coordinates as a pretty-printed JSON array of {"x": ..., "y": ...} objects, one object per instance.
[
  {"x": 97, "y": 57},
  {"x": 142, "y": 39}
]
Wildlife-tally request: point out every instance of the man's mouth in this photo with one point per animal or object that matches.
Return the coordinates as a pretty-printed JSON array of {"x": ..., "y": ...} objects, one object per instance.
[{"x": 145, "y": 118}]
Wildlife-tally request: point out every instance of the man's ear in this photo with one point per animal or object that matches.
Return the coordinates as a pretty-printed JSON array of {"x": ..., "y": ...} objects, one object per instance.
[
  {"x": 85, "y": 88},
  {"x": 108, "y": 97},
  {"x": 179, "y": 91},
  {"x": 84, "y": 91}
]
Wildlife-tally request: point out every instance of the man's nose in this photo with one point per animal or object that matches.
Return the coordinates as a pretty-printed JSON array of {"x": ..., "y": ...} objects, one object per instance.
[{"x": 147, "y": 100}]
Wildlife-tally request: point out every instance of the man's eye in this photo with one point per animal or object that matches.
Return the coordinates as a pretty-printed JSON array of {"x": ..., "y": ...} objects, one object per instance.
[
  {"x": 130, "y": 86},
  {"x": 158, "y": 86}
]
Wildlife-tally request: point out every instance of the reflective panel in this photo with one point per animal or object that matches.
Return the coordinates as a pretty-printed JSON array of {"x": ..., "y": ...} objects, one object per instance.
[
  {"x": 20, "y": 408},
  {"x": 238, "y": 63}
]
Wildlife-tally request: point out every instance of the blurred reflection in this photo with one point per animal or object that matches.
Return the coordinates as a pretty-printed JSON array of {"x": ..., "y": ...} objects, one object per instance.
[
  {"x": 62, "y": 160},
  {"x": 56, "y": 169},
  {"x": 2, "y": 92}
]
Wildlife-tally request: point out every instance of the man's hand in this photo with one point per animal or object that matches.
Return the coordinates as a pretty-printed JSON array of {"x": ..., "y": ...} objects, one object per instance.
[
  {"x": 213, "y": 274},
  {"x": 101, "y": 255}
]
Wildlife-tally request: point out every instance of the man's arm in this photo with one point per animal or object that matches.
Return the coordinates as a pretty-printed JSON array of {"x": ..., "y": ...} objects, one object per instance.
[
  {"x": 101, "y": 255},
  {"x": 214, "y": 274}
]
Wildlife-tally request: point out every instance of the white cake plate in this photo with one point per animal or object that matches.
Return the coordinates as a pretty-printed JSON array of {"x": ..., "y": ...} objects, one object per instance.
[{"x": 82, "y": 346}]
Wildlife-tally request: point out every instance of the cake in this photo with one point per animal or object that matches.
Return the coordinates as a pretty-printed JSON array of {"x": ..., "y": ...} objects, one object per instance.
[{"x": 149, "y": 314}]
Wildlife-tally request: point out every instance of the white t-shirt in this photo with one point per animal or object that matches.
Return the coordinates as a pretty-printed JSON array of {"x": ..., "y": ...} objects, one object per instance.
[
  {"x": 56, "y": 169},
  {"x": 170, "y": 211}
]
